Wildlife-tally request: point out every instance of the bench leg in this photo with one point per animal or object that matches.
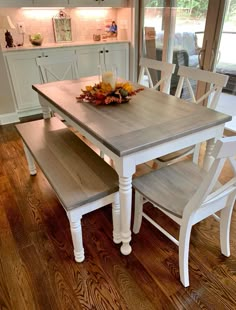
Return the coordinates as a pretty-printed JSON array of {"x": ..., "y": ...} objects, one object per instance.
[
  {"x": 30, "y": 160},
  {"x": 116, "y": 218},
  {"x": 76, "y": 233}
]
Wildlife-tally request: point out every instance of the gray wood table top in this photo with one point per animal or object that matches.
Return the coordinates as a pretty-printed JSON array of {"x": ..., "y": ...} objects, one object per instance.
[{"x": 150, "y": 118}]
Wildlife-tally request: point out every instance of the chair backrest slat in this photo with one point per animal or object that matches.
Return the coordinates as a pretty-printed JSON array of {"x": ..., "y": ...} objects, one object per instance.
[
  {"x": 224, "y": 148},
  {"x": 216, "y": 80},
  {"x": 165, "y": 68},
  {"x": 46, "y": 67},
  {"x": 203, "y": 75}
]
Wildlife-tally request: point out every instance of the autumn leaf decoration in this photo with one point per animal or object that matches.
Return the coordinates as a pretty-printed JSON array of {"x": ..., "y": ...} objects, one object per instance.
[{"x": 103, "y": 93}]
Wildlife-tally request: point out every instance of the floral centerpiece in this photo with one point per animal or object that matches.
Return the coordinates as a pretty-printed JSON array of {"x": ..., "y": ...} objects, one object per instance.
[{"x": 103, "y": 93}]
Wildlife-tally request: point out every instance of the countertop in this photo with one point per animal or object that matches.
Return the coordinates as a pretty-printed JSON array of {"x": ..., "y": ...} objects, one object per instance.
[{"x": 29, "y": 46}]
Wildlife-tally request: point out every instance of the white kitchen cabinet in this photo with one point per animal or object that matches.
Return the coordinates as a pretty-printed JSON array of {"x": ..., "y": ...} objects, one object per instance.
[
  {"x": 61, "y": 71},
  {"x": 15, "y": 3},
  {"x": 98, "y": 3},
  {"x": 50, "y": 3},
  {"x": 90, "y": 56},
  {"x": 71, "y": 3},
  {"x": 24, "y": 72},
  {"x": 33, "y": 3}
]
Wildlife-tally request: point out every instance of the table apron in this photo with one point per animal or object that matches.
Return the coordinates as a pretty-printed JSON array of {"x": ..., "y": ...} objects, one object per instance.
[
  {"x": 126, "y": 165},
  {"x": 178, "y": 144}
]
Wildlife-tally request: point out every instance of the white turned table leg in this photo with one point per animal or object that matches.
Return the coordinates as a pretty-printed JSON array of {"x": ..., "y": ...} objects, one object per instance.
[
  {"x": 125, "y": 184},
  {"x": 208, "y": 160},
  {"x": 47, "y": 113},
  {"x": 116, "y": 219},
  {"x": 30, "y": 160}
]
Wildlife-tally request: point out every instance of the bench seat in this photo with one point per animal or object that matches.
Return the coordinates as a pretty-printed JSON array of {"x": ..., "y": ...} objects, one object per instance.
[{"x": 82, "y": 181}]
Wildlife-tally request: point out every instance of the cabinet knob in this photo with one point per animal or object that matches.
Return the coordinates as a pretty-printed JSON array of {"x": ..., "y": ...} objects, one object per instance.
[
  {"x": 46, "y": 56},
  {"x": 101, "y": 52},
  {"x": 107, "y": 51},
  {"x": 39, "y": 56}
]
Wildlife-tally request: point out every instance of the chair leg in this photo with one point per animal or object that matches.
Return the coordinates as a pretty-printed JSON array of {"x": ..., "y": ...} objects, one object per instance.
[
  {"x": 116, "y": 218},
  {"x": 184, "y": 239},
  {"x": 138, "y": 212},
  {"x": 225, "y": 221},
  {"x": 77, "y": 239},
  {"x": 196, "y": 153}
]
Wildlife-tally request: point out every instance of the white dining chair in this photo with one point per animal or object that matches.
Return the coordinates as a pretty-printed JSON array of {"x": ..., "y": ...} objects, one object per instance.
[
  {"x": 187, "y": 76},
  {"x": 51, "y": 71},
  {"x": 163, "y": 69},
  {"x": 188, "y": 194}
]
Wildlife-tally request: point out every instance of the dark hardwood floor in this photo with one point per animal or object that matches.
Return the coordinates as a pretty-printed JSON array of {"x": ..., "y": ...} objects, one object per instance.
[{"x": 38, "y": 271}]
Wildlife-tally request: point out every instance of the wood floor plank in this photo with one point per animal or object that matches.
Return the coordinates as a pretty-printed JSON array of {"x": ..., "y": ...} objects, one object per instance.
[
  {"x": 64, "y": 295},
  {"x": 14, "y": 272},
  {"x": 163, "y": 265},
  {"x": 109, "y": 259},
  {"x": 40, "y": 286},
  {"x": 135, "y": 269},
  {"x": 5, "y": 302},
  {"x": 15, "y": 217}
]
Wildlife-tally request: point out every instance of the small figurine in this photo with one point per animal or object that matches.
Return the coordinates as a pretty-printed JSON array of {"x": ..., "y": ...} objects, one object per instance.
[
  {"x": 9, "y": 39},
  {"x": 113, "y": 29}
]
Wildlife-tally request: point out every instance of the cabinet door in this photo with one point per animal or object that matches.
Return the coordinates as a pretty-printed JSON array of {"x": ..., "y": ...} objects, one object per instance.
[
  {"x": 83, "y": 3},
  {"x": 98, "y": 3},
  {"x": 15, "y": 3},
  {"x": 114, "y": 3},
  {"x": 50, "y": 3},
  {"x": 118, "y": 54},
  {"x": 24, "y": 72},
  {"x": 59, "y": 70},
  {"x": 89, "y": 57}
]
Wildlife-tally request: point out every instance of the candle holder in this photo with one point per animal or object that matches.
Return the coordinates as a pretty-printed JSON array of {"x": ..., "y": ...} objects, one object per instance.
[{"x": 108, "y": 74}]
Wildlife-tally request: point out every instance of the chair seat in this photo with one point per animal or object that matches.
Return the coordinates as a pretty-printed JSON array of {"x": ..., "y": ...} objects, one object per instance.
[
  {"x": 172, "y": 186},
  {"x": 177, "y": 154}
]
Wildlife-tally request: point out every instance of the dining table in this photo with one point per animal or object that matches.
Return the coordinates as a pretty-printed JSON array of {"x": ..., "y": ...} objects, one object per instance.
[{"x": 150, "y": 125}]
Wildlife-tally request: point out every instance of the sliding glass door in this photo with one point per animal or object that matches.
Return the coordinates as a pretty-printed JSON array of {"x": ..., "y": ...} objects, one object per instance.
[
  {"x": 226, "y": 64},
  {"x": 184, "y": 32},
  {"x": 226, "y": 60}
]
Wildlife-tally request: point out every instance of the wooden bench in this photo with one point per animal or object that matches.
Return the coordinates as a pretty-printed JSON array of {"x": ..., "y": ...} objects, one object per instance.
[{"x": 82, "y": 181}]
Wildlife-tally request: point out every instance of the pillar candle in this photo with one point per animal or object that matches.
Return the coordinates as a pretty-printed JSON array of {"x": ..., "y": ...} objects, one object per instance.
[{"x": 109, "y": 78}]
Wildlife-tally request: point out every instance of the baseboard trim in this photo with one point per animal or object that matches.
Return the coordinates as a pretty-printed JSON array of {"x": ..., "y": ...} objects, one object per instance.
[
  {"x": 9, "y": 118},
  {"x": 29, "y": 112}
]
